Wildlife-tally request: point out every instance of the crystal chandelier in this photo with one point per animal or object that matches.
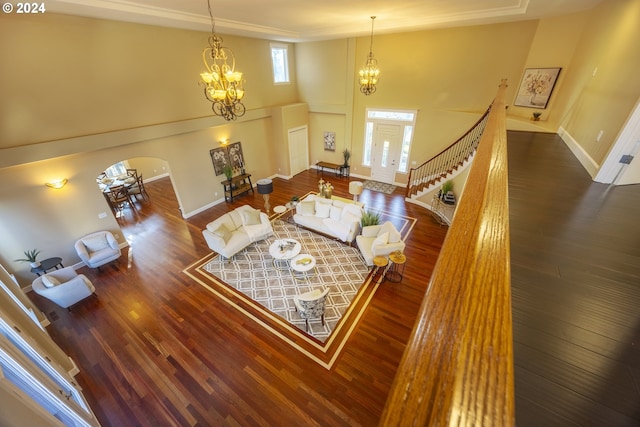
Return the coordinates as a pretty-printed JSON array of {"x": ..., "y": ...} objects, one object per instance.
[
  {"x": 222, "y": 83},
  {"x": 369, "y": 74}
]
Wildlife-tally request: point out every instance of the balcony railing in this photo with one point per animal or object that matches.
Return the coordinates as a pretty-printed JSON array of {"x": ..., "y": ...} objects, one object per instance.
[{"x": 457, "y": 369}]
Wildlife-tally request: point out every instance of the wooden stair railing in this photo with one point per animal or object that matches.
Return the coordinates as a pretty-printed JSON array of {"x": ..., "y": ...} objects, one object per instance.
[
  {"x": 448, "y": 160},
  {"x": 457, "y": 369}
]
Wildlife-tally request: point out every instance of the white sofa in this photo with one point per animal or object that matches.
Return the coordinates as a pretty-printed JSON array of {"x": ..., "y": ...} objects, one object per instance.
[
  {"x": 235, "y": 230},
  {"x": 379, "y": 240},
  {"x": 339, "y": 218},
  {"x": 65, "y": 287}
]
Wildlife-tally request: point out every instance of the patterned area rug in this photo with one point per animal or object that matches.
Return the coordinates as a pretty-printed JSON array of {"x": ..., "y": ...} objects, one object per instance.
[
  {"x": 339, "y": 267},
  {"x": 380, "y": 187},
  {"x": 337, "y": 271}
]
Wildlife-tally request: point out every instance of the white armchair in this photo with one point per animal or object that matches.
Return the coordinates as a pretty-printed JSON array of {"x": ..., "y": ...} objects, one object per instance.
[
  {"x": 64, "y": 287},
  {"x": 379, "y": 240},
  {"x": 98, "y": 248}
]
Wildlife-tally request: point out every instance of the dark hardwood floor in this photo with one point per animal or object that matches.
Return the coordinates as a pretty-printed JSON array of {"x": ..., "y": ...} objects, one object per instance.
[
  {"x": 575, "y": 248},
  {"x": 155, "y": 349}
]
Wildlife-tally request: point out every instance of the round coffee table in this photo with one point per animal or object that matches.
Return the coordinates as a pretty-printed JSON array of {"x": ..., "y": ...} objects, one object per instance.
[
  {"x": 303, "y": 266},
  {"x": 280, "y": 209},
  {"x": 282, "y": 250}
]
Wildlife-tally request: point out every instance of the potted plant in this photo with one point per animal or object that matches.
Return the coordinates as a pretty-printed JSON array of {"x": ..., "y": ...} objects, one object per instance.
[
  {"x": 445, "y": 188},
  {"x": 228, "y": 171},
  {"x": 346, "y": 154},
  {"x": 30, "y": 256},
  {"x": 536, "y": 116},
  {"x": 370, "y": 218}
]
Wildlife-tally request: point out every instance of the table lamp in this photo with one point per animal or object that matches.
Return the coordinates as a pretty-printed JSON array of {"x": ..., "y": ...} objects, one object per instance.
[
  {"x": 355, "y": 188},
  {"x": 265, "y": 187}
]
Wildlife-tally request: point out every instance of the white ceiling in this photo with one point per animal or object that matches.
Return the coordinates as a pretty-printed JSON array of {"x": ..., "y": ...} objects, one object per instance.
[{"x": 305, "y": 20}]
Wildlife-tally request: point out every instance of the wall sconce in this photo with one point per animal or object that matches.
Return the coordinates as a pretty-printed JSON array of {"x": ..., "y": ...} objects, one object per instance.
[
  {"x": 57, "y": 184},
  {"x": 224, "y": 141}
]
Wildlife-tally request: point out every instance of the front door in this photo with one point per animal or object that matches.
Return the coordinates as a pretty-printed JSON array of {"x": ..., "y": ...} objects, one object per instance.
[{"x": 385, "y": 153}]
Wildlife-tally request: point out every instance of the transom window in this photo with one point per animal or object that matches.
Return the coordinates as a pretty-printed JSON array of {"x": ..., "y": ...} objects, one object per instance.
[
  {"x": 406, "y": 119},
  {"x": 280, "y": 62}
]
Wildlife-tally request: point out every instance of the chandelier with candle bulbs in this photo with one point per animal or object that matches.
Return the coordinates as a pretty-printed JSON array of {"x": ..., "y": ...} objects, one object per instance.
[
  {"x": 222, "y": 83},
  {"x": 369, "y": 74}
]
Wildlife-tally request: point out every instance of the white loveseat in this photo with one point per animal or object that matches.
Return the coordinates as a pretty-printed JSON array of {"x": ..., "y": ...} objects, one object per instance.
[
  {"x": 339, "y": 218},
  {"x": 379, "y": 240},
  {"x": 235, "y": 230}
]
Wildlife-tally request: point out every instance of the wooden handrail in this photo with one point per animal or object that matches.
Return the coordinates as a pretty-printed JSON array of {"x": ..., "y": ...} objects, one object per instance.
[{"x": 457, "y": 368}]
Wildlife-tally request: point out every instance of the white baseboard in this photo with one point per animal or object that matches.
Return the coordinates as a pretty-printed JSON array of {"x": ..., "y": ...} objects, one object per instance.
[{"x": 583, "y": 157}]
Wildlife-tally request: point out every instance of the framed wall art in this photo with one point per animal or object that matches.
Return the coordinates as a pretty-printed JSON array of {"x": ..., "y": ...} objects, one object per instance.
[
  {"x": 329, "y": 141},
  {"x": 220, "y": 159},
  {"x": 536, "y": 87},
  {"x": 235, "y": 156}
]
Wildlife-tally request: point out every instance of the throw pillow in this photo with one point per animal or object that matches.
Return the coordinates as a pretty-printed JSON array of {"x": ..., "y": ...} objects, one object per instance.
[
  {"x": 335, "y": 213},
  {"x": 49, "y": 281},
  {"x": 322, "y": 210},
  {"x": 223, "y": 232},
  {"x": 95, "y": 243},
  {"x": 251, "y": 217},
  {"x": 387, "y": 227},
  {"x": 382, "y": 239},
  {"x": 308, "y": 208},
  {"x": 349, "y": 218}
]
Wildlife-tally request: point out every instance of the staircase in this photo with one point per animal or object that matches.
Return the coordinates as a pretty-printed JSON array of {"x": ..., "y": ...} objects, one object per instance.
[{"x": 441, "y": 167}]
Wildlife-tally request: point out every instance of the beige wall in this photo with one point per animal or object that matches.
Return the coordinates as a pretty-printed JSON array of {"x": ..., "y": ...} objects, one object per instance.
[{"x": 603, "y": 102}]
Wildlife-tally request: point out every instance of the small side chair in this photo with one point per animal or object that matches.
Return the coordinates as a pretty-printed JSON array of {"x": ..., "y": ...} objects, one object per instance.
[
  {"x": 311, "y": 305},
  {"x": 98, "y": 248}
]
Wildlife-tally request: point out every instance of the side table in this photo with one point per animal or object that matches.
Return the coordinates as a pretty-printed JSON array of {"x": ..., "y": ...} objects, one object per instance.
[
  {"x": 47, "y": 264},
  {"x": 398, "y": 261},
  {"x": 380, "y": 262}
]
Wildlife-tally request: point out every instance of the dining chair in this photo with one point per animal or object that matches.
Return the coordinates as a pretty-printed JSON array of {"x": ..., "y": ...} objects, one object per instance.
[
  {"x": 137, "y": 190},
  {"x": 118, "y": 197},
  {"x": 133, "y": 173}
]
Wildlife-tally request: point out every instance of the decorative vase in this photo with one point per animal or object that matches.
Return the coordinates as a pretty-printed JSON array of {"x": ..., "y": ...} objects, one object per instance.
[
  {"x": 35, "y": 264},
  {"x": 532, "y": 98}
]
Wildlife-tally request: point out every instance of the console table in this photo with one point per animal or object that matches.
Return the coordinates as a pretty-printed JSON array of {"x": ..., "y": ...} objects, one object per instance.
[
  {"x": 340, "y": 170},
  {"x": 237, "y": 186}
]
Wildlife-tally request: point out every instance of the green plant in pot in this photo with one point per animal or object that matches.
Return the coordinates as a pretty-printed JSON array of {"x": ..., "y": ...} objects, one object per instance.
[
  {"x": 370, "y": 218},
  {"x": 346, "y": 154},
  {"x": 445, "y": 188},
  {"x": 228, "y": 171},
  {"x": 30, "y": 256}
]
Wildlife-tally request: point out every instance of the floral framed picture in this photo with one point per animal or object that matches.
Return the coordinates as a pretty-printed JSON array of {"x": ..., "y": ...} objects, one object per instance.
[
  {"x": 536, "y": 87},
  {"x": 329, "y": 141},
  {"x": 235, "y": 156},
  {"x": 220, "y": 159}
]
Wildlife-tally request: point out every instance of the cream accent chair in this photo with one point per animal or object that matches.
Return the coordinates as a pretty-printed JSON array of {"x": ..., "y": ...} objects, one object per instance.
[
  {"x": 235, "y": 230},
  {"x": 311, "y": 305},
  {"x": 379, "y": 240},
  {"x": 98, "y": 248},
  {"x": 64, "y": 287}
]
